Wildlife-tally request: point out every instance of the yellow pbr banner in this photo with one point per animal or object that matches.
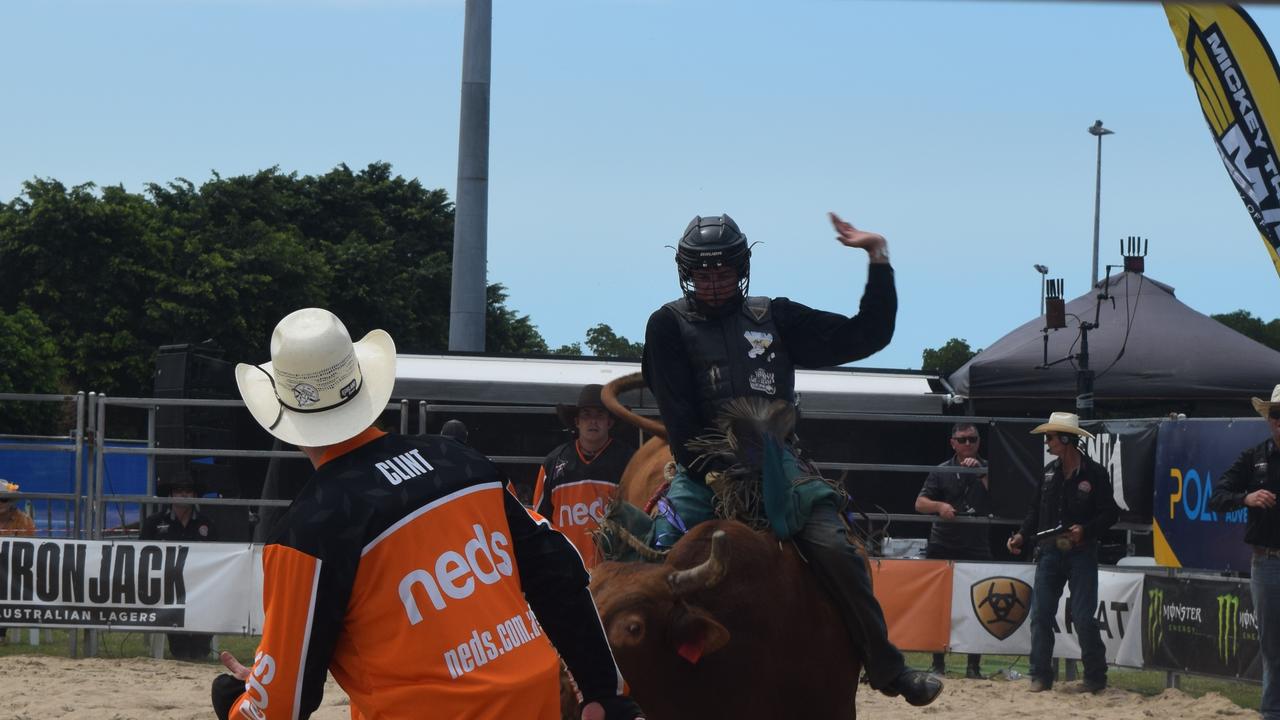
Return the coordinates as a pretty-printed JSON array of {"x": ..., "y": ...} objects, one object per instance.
[{"x": 1238, "y": 84}]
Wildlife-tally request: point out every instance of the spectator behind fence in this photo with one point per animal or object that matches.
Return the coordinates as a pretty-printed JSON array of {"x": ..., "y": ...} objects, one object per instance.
[
  {"x": 455, "y": 430},
  {"x": 404, "y": 566},
  {"x": 947, "y": 493},
  {"x": 1253, "y": 481},
  {"x": 181, "y": 522},
  {"x": 1073, "y": 505},
  {"x": 13, "y": 523},
  {"x": 580, "y": 478}
]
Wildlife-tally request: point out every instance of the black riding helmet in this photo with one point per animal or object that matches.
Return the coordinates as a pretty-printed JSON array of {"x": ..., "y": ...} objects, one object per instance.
[{"x": 712, "y": 242}]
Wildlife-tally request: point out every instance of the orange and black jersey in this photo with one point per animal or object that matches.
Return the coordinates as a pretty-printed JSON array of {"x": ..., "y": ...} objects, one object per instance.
[
  {"x": 572, "y": 490},
  {"x": 407, "y": 569}
]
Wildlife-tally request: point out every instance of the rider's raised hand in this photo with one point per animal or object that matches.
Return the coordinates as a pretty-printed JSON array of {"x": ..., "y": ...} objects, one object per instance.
[{"x": 851, "y": 236}]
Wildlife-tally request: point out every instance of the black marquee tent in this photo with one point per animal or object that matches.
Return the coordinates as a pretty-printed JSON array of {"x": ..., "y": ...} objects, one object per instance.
[{"x": 1174, "y": 359}]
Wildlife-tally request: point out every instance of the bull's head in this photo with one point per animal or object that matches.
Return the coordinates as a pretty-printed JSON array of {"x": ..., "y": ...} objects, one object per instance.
[{"x": 654, "y": 620}]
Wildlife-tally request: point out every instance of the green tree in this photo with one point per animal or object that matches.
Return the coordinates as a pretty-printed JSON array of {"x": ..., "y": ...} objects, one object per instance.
[
  {"x": 29, "y": 364},
  {"x": 1243, "y": 322},
  {"x": 505, "y": 330},
  {"x": 113, "y": 275},
  {"x": 604, "y": 342},
  {"x": 948, "y": 358}
]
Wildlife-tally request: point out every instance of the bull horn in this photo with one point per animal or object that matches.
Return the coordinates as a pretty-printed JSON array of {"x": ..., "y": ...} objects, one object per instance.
[
  {"x": 708, "y": 574},
  {"x": 609, "y": 397}
]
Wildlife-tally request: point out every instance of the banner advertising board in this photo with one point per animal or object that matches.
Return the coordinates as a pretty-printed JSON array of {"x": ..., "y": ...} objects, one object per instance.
[
  {"x": 914, "y": 595},
  {"x": 1200, "y": 625},
  {"x": 1190, "y": 457},
  {"x": 1126, "y": 448},
  {"x": 991, "y": 612},
  {"x": 197, "y": 587}
]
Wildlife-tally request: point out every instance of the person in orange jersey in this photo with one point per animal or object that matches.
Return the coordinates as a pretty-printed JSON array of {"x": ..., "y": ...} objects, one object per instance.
[
  {"x": 13, "y": 523},
  {"x": 578, "y": 479},
  {"x": 404, "y": 566}
]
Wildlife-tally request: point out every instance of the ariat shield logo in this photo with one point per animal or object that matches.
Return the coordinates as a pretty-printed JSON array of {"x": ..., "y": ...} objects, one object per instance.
[{"x": 1001, "y": 604}]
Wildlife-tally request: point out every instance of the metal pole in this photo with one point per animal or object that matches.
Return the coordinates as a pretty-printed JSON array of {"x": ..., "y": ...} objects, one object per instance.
[
  {"x": 1098, "y": 131},
  {"x": 1097, "y": 209},
  {"x": 471, "y": 208},
  {"x": 1042, "y": 284},
  {"x": 151, "y": 460},
  {"x": 1084, "y": 378}
]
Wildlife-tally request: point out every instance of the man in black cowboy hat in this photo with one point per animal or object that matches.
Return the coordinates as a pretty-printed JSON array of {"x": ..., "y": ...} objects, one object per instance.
[
  {"x": 1253, "y": 482},
  {"x": 579, "y": 478},
  {"x": 181, "y": 522},
  {"x": 1073, "y": 506}
]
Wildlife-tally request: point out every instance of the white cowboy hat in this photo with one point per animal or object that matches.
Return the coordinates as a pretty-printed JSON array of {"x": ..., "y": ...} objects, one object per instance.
[
  {"x": 1262, "y": 406},
  {"x": 319, "y": 388},
  {"x": 1062, "y": 422}
]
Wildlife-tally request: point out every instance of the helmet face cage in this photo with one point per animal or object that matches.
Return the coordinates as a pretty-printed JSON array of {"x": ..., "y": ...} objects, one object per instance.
[{"x": 711, "y": 243}]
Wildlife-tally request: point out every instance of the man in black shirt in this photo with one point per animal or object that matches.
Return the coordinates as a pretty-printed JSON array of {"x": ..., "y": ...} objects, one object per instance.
[
  {"x": 947, "y": 492},
  {"x": 714, "y": 345},
  {"x": 182, "y": 522},
  {"x": 1253, "y": 482},
  {"x": 1073, "y": 506}
]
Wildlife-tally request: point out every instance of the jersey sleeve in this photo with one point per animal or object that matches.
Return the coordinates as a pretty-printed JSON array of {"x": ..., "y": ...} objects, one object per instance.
[
  {"x": 304, "y": 598},
  {"x": 554, "y": 581}
]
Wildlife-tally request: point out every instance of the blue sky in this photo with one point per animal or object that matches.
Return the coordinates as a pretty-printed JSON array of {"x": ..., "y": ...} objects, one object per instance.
[{"x": 957, "y": 129}]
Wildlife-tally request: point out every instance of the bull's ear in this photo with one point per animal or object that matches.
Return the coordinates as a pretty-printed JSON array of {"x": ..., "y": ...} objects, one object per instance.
[
  {"x": 626, "y": 630},
  {"x": 696, "y": 634}
]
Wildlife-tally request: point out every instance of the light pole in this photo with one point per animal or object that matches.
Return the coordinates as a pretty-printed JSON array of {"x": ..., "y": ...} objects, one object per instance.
[
  {"x": 1097, "y": 131},
  {"x": 1043, "y": 270}
]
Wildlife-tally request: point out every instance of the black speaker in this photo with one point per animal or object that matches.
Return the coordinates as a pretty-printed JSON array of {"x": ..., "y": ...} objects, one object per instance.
[{"x": 198, "y": 371}]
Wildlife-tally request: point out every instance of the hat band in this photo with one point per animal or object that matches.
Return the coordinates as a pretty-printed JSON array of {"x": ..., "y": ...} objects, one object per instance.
[{"x": 290, "y": 408}]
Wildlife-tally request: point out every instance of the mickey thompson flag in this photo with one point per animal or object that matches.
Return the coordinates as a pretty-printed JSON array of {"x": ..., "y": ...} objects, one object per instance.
[{"x": 1235, "y": 76}]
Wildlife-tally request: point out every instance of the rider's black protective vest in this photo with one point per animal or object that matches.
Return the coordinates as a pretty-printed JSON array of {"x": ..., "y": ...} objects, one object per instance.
[{"x": 736, "y": 355}]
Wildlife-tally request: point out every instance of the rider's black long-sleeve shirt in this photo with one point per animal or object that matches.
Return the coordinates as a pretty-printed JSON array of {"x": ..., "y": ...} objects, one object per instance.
[{"x": 814, "y": 338}]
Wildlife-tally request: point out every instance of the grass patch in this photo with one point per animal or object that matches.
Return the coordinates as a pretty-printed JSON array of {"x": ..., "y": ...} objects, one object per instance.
[
  {"x": 1146, "y": 682},
  {"x": 112, "y": 644}
]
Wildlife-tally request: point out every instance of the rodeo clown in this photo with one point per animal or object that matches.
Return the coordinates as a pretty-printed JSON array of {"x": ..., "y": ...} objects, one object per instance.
[
  {"x": 716, "y": 344},
  {"x": 579, "y": 479},
  {"x": 404, "y": 566}
]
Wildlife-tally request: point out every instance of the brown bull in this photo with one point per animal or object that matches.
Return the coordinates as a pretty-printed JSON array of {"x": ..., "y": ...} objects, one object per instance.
[
  {"x": 749, "y": 634},
  {"x": 730, "y": 627}
]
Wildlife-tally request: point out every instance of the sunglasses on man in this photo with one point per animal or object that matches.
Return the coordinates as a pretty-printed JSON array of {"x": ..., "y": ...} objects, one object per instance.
[
  {"x": 972, "y": 439},
  {"x": 1274, "y": 414}
]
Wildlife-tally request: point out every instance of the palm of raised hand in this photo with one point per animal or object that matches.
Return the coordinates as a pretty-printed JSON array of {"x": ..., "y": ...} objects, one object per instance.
[{"x": 851, "y": 236}]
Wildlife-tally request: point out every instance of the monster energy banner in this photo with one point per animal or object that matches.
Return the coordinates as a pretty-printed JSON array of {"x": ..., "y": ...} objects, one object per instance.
[
  {"x": 1235, "y": 77},
  {"x": 1200, "y": 625},
  {"x": 991, "y": 612},
  {"x": 200, "y": 587}
]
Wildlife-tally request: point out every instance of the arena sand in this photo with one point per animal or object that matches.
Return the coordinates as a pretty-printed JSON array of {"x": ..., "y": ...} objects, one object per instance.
[{"x": 41, "y": 687}]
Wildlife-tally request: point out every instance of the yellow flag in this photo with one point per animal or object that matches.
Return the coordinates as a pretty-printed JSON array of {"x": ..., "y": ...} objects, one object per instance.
[{"x": 1238, "y": 84}]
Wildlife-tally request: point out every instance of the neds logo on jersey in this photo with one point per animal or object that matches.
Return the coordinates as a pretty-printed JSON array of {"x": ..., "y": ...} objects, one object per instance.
[{"x": 454, "y": 574}]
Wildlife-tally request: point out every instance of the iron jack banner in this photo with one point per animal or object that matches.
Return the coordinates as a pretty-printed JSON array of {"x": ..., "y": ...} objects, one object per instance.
[
  {"x": 1200, "y": 625},
  {"x": 1235, "y": 76},
  {"x": 199, "y": 587}
]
